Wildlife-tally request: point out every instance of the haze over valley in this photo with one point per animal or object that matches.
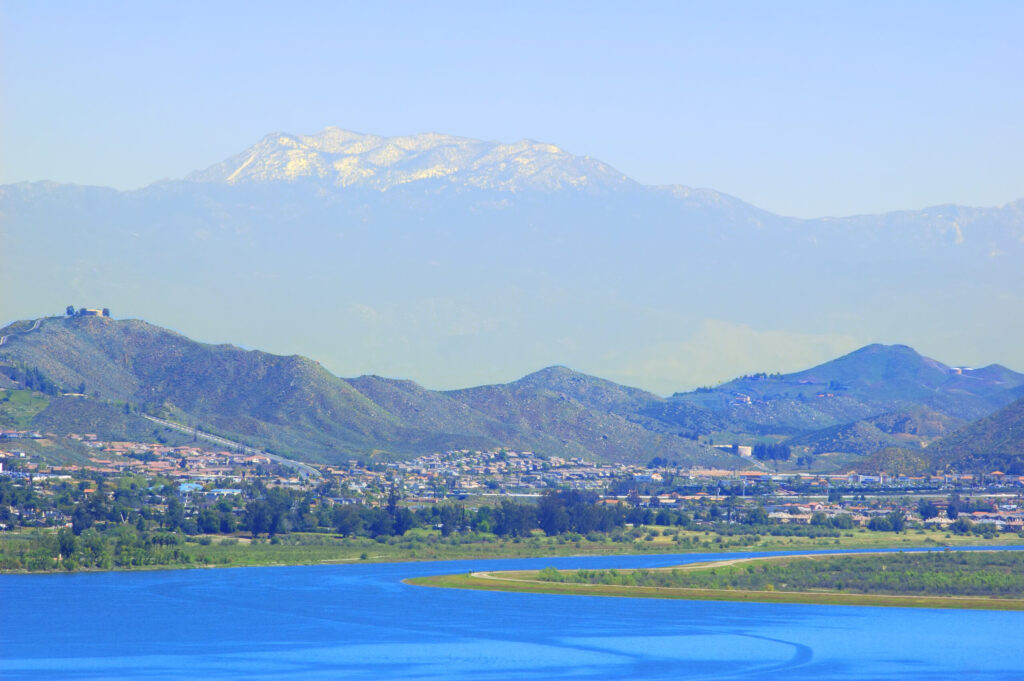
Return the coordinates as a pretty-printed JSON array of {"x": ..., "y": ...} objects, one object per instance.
[
  {"x": 879, "y": 407},
  {"x": 454, "y": 262},
  {"x": 644, "y": 315}
]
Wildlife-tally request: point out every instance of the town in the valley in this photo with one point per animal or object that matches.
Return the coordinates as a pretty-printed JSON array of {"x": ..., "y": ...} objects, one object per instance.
[{"x": 196, "y": 477}]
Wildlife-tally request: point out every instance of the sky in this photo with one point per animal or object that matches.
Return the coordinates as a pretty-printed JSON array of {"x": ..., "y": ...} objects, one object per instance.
[
  {"x": 805, "y": 109},
  {"x": 801, "y": 108}
]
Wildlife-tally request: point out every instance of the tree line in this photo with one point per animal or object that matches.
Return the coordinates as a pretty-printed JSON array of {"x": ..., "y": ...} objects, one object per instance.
[{"x": 947, "y": 573}]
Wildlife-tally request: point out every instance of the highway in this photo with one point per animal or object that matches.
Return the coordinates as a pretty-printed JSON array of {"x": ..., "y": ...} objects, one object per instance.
[{"x": 302, "y": 468}]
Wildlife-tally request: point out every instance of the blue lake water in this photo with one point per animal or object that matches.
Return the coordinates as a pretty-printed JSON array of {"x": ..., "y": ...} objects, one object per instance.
[{"x": 361, "y": 622}]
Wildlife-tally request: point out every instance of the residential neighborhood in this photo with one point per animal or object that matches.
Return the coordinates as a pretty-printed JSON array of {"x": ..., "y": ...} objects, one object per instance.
[{"x": 200, "y": 475}]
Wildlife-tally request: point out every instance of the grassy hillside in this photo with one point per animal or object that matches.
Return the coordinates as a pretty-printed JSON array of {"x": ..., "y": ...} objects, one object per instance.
[
  {"x": 867, "y": 383},
  {"x": 859, "y": 437},
  {"x": 995, "y": 442},
  {"x": 917, "y": 422},
  {"x": 289, "y": 403},
  {"x": 910, "y": 428},
  {"x": 18, "y": 407},
  {"x": 879, "y": 396},
  {"x": 294, "y": 406},
  {"x": 899, "y": 461},
  {"x": 585, "y": 414},
  {"x": 87, "y": 415}
]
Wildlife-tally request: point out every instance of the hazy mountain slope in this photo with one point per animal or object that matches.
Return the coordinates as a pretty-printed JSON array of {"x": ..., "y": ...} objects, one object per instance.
[
  {"x": 87, "y": 415},
  {"x": 290, "y": 402},
  {"x": 917, "y": 422},
  {"x": 995, "y": 442},
  {"x": 866, "y": 383},
  {"x": 859, "y": 437},
  {"x": 295, "y": 406},
  {"x": 598, "y": 414},
  {"x": 433, "y": 417},
  {"x": 908, "y": 429},
  {"x": 524, "y": 251},
  {"x": 590, "y": 391},
  {"x": 899, "y": 461}
]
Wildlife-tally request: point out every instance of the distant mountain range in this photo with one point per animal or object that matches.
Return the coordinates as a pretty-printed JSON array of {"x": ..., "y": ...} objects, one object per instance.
[
  {"x": 872, "y": 398},
  {"x": 341, "y": 158},
  {"x": 430, "y": 255},
  {"x": 868, "y": 382}
]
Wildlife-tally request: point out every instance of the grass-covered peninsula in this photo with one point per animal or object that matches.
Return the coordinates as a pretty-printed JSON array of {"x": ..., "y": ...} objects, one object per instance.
[{"x": 946, "y": 579}]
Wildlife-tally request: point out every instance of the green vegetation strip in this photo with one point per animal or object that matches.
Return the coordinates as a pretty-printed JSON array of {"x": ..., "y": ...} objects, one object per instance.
[
  {"x": 984, "y": 580},
  {"x": 122, "y": 547}
]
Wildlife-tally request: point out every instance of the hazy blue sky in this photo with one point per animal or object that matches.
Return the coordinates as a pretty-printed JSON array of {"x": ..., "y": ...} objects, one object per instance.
[{"x": 801, "y": 108}]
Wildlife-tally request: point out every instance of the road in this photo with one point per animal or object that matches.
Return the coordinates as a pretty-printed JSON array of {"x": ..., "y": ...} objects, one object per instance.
[
  {"x": 3, "y": 339},
  {"x": 302, "y": 468}
]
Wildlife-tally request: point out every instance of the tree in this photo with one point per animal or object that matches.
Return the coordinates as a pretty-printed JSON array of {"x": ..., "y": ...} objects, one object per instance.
[
  {"x": 880, "y": 523},
  {"x": 891, "y": 522},
  {"x": 551, "y": 514},
  {"x": 257, "y": 517},
  {"x": 228, "y": 522},
  {"x": 927, "y": 509},
  {"x": 106, "y": 312},
  {"x": 757, "y": 516},
  {"x": 346, "y": 520},
  {"x": 70, "y": 310},
  {"x": 962, "y": 526},
  {"x": 66, "y": 542},
  {"x": 771, "y": 452},
  {"x": 393, "y": 499},
  {"x": 175, "y": 515},
  {"x": 404, "y": 521},
  {"x": 898, "y": 520},
  {"x": 381, "y": 523},
  {"x": 512, "y": 519},
  {"x": 208, "y": 521},
  {"x": 452, "y": 518},
  {"x": 81, "y": 520},
  {"x": 843, "y": 521}
]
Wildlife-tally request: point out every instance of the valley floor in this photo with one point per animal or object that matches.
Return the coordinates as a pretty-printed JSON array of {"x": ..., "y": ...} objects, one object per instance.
[{"x": 33, "y": 551}]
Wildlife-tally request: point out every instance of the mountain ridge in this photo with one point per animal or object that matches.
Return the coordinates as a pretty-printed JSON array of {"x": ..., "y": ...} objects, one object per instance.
[
  {"x": 293, "y": 404},
  {"x": 994, "y": 442},
  {"x": 518, "y": 258},
  {"x": 343, "y": 158}
]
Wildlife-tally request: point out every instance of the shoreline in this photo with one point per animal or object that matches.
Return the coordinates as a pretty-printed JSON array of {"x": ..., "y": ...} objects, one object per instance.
[
  {"x": 298, "y": 554},
  {"x": 519, "y": 582}
]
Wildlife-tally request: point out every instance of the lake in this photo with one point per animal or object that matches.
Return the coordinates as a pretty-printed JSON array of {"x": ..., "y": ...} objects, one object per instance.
[{"x": 361, "y": 622}]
